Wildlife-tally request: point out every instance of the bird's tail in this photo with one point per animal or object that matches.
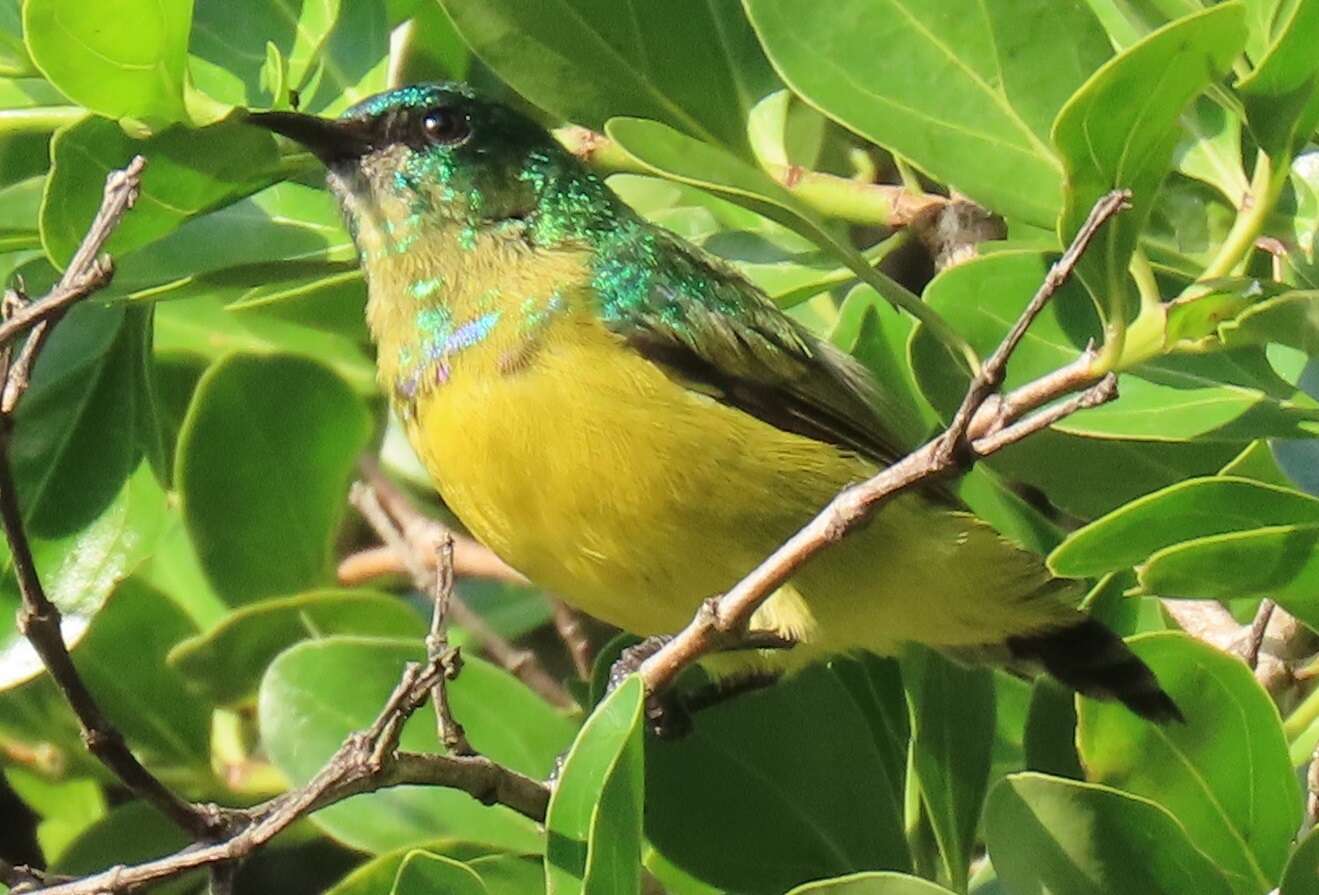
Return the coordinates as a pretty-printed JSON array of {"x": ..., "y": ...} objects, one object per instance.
[{"x": 1088, "y": 657}]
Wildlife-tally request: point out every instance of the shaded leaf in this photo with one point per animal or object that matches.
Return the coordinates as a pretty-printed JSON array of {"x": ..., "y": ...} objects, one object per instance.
[
  {"x": 423, "y": 873},
  {"x": 871, "y": 884},
  {"x": 589, "y": 62},
  {"x": 280, "y": 459},
  {"x": 1225, "y": 774},
  {"x": 1058, "y": 836}
]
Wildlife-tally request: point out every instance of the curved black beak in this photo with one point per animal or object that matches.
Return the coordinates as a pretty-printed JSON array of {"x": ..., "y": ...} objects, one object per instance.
[{"x": 330, "y": 140}]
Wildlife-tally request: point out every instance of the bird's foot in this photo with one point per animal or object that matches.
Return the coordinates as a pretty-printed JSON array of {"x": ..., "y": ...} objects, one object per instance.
[
  {"x": 631, "y": 659},
  {"x": 719, "y": 692}
]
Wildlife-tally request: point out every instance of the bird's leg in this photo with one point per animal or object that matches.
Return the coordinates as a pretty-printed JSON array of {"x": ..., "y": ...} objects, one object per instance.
[
  {"x": 629, "y": 661},
  {"x": 711, "y": 695}
]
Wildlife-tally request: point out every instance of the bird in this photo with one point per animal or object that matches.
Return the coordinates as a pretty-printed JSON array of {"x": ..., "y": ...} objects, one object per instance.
[{"x": 633, "y": 425}]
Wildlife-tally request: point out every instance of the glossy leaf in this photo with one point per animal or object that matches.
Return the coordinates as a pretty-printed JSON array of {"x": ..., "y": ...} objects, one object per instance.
[
  {"x": 708, "y": 806},
  {"x": 1288, "y": 319},
  {"x": 594, "y": 820},
  {"x": 589, "y": 62},
  {"x": 1181, "y": 512},
  {"x": 332, "y": 46},
  {"x": 188, "y": 172},
  {"x": 227, "y": 661},
  {"x": 1282, "y": 94},
  {"x": 1281, "y": 561},
  {"x": 965, "y": 99},
  {"x": 278, "y": 458},
  {"x": 126, "y": 59},
  {"x": 423, "y": 873},
  {"x": 93, "y": 508},
  {"x": 510, "y": 874},
  {"x": 1224, "y": 774},
  {"x": 1051, "y": 835},
  {"x": 952, "y": 710},
  {"x": 318, "y": 691},
  {"x": 131, "y": 832},
  {"x": 1106, "y": 141}
]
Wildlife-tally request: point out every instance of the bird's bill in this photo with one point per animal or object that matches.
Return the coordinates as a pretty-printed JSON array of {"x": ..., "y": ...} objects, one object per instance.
[{"x": 329, "y": 139}]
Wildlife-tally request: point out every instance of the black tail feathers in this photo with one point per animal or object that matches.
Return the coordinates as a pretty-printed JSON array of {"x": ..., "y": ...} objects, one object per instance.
[{"x": 1091, "y": 659}]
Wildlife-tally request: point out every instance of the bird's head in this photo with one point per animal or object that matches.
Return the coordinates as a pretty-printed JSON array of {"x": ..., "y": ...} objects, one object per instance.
[{"x": 430, "y": 155}]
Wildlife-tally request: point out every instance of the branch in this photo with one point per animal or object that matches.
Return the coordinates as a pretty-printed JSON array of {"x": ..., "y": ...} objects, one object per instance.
[
  {"x": 982, "y": 425},
  {"x": 87, "y": 272},
  {"x": 39, "y": 619},
  {"x": 367, "y": 761}
]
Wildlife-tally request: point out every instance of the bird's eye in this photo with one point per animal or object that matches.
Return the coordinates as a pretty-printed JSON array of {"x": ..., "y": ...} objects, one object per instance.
[{"x": 446, "y": 126}]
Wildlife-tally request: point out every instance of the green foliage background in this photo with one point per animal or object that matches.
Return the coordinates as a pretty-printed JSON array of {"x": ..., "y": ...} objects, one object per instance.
[{"x": 184, "y": 453}]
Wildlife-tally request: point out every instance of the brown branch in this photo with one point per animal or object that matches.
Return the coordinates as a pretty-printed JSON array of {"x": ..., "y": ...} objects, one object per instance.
[
  {"x": 448, "y": 658},
  {"x": 412, "y": 535},
  {"x": 568, "y": 623},
  {"x": 980, "y": 427},
  {"x": 87, "y": 272},
  {"x": 39, "y": 619},
  {"x": 366, "y": 762}
]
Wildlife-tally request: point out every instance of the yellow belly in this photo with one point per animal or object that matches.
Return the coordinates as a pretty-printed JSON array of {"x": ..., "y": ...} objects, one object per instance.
[{"x": 634, "y": 498}]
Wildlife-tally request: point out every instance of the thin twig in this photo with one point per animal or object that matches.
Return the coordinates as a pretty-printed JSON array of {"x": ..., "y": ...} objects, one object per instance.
[
  {"x": 413, "y": 535},
  {"x": 87, "y": 272},
  {"x": 568, "y": 623},
  {"x": 448, "y": 658},
  {"x": 978, "y": 428},
  {"x": 1258, "y": 627}
]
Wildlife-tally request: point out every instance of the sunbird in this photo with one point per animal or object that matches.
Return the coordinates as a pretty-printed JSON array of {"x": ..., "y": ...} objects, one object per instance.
[{"x": 634, "y": 426}]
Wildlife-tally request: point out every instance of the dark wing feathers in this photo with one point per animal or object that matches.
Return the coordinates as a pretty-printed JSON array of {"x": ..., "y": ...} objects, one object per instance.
[{"x": 709, "y": 328}]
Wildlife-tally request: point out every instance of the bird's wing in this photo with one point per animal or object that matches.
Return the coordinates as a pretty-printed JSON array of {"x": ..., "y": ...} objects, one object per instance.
[{"x": 709, "y": 328}]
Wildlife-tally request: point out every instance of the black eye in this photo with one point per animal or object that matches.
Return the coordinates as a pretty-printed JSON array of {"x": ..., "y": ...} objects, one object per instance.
[{"x": 446, "y": 126}]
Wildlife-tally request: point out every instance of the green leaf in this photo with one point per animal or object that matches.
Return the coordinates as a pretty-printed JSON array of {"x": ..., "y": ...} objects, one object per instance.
[
  {"x": 272, "y": 441},
  {"x": 227, "y": 661},
  {"x": 318, "y": 691},
  {"x": 1225, "y": 774},
  {"x": 589, "y": 62},
  {"x": 510, "y": 874},
  {"x": 1051, "y": 835},
  {"x": 967, "y": 99},
  {"x": 1288, "y": 319},
  {"x": 871, "y": 884},
  {"x": 1106, "y": 141},
  {"x": 1301, "y": 876},
  {"x": 205, "y": 328},
  {"x": 594, "y": 819},
  {"x": 1211, "y": 148},
  {"x": 753, "y": 800},
  {"x": 189, "y": 172},
  {"x": 122, "y": 661},
  {"x": 1282, "y": 94},
  {"x": 952, "y": 711},
  {"x": 1228, "y": 396},
  {"x": 1181, "y": 512},
  {"x": 1279, "y": 561},
  {"x": 423, "y": 873},
  {"x": 126, "y": 58},
  {"x": 93, "y": 510},
  {"x": 674, "y": 155}
]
